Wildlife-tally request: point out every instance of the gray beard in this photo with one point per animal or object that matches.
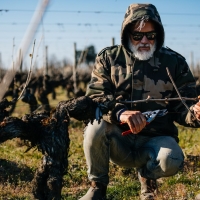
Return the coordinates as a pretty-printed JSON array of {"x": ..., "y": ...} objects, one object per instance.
[{"x": 142, "y": 55}]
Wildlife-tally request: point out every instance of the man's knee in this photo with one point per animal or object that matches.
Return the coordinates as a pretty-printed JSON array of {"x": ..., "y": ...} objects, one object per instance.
[
  {"x": 165, "y": 163},
  {"x": 162, "y": 161},
  {"x": 171, "y": 161}
]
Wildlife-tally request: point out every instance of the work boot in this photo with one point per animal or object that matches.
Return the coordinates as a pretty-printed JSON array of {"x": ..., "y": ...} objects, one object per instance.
[
  {"x": 97, "y": 191},
  {"x": 148, "y": 188}
]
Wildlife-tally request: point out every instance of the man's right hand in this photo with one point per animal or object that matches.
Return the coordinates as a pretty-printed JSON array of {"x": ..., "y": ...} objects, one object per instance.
[{"x": 135, "y": 120}]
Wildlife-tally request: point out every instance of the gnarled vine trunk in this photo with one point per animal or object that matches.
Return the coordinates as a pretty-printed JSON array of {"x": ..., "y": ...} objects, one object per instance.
[{"x": 49, "y": 133}]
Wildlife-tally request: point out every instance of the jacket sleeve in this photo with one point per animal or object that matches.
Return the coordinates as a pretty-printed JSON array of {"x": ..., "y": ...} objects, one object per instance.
[
  {"x": 186, "y": 86},
  {"x": 101, "y": 85}
]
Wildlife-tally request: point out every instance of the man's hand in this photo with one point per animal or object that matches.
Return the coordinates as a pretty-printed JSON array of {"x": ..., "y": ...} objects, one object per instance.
[
  {"x": 196, "y": 109},
  {"x": 135, "y": 120}
]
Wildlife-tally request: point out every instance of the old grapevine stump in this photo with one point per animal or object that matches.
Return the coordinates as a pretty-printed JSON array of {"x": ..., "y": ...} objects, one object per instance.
[
  {"x": 48, "y": 179},
  {"x": 49, "y": 133}
]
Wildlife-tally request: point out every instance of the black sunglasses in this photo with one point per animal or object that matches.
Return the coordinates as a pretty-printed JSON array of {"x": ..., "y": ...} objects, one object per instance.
[{"x": 139, "y": 35}]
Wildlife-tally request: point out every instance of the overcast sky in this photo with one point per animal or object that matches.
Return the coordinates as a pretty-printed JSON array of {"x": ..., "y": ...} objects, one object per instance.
[{"x": 91, "y": 22}]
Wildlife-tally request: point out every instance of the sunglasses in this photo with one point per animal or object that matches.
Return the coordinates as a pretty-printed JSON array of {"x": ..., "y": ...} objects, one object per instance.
[{"x": 137, "y": 36}]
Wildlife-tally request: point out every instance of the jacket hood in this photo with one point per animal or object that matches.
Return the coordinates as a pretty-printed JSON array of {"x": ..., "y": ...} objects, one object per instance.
[{"x": 137, "y": 12}]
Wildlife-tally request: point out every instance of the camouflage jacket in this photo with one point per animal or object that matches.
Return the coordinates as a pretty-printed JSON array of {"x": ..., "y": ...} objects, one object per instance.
[{"x": 117, "y": 72}]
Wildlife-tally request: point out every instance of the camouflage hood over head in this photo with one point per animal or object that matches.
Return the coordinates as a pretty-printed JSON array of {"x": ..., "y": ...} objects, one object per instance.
[{"x": 137, "y": 12}]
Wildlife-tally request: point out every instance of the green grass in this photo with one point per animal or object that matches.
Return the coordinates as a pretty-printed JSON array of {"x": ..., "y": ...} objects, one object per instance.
[{"x": 17, "y": 168}]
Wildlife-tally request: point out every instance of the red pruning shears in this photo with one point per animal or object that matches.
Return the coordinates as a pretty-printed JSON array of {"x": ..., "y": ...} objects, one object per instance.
[{"x": 150, "y": 116}]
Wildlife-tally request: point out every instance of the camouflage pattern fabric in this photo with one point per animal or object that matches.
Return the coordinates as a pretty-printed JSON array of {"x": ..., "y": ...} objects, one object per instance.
[{"x": 116, "y": 72}]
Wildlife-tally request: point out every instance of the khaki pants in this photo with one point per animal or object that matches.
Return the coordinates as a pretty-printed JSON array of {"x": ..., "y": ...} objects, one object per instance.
[{"x": 154, "y": 157}]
